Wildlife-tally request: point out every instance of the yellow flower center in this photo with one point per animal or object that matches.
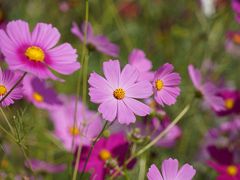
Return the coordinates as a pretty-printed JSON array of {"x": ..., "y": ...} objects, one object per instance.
[
  {"x": 229, "y": 103},
  {"x": 74, "y": 131},
  {"x": 119, "y": 93},
  {"x": 232, "y": 170},
  {"x": 38, "y": 97},
  {"x": 35, "y": 53},
  {"x": 105, "y": 154},
  {"x": 3, "y": 90},
  {"x": 159, "y": 84},
  {"x": 236, "y": 38}
]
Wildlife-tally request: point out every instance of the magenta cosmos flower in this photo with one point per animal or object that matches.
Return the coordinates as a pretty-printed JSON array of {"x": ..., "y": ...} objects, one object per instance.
[
  {"x": 232, "y": 43},
  {"x": 207, "y": 90},
  {"x": 170, "y": 171},
  {"x": 106, "y": 153},
  {"x": 137, "y": 58},
  {"x": 35, "y": 52},
  {"x": 98, "y": 42},
  {"x": 42, "y": 166},
  {"x": 226, "y": 172},
  {"x": 39, "y": 93},
  {"x": 236, "y": 9},
  {"x": 231, "y": 100},
  {"x": 116, "y": 94},
  {"x": 88, "y": 124},
  {"x": 7, "y": 80},
  {"x": 165, "y": 85}
]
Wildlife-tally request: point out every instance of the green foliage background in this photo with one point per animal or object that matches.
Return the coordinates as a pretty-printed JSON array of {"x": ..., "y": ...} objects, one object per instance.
[{"x": 168, "y": 31}]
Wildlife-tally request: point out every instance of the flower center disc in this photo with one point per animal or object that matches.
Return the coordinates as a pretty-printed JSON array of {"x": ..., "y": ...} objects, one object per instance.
[
  {"x": 119, "y": 93},
  {"x": 3, "y": 90},
  {"x": 105, "y": 154},
  {"x": 232, "y": 170},
  {"x": 229, "y": 103},
  {"x": 74, "y": 131},
  {"x": 35, "y": 53},
  {"x": 38, "y": 97},
  {"x": 159, "y": 84}
]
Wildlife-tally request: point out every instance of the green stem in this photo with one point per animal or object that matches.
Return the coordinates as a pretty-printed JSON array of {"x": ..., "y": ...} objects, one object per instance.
[
  {"x": 92, "y": 146},
  {"x": 142, "y": 168},
  {"x": 80, "y": 76},
  {"x": 6, "y": 119},
  {"x": 15, "y": 85}
]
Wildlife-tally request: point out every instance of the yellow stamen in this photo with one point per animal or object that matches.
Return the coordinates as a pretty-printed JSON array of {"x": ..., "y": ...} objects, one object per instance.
[
  {"x": 74, "y": 131},
  {"x": 105, "y": 154},
  {"x": 159, "y": 84},
  {"x": 3, "y": 90},
  {"x": 232, "y": 170},
  {"x": 236, "y": 38},
  {"x": 35, "y": 53},
  {"x": 119, "y": 93},
  {"x": 229, "y": 103},
  {"x": 38, "y": 97}
]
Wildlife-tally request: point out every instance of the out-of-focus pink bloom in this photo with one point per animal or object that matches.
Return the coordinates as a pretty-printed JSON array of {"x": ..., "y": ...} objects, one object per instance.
[
  {"x": 64, "y": 6},
  {"x": 221, "y": 144},
  {"x": 87, "y": 127},
  {"x": 98, "y": 42},
  {"x": 7, "y": 80},
  {"x": 236, "y": 9},
  {"x": 106, "y": 153},
  {"x": 232, "y": 102},
  {"x": 37, "y": 92},
  {"x": 138, "y": 59},
  {"x": 156, "y": 125},
  {"x": 166, "y": 84},
  {"x": 226, "y": 172},
  {"x": 35, "y": 52},
  {"x": 117, "y": 93},
  {"x": 42, "y": 166},
  {"x": 170, "y": 171},
  {"x": 232, "y": 43},
  {"x": 207, "y": 90}
]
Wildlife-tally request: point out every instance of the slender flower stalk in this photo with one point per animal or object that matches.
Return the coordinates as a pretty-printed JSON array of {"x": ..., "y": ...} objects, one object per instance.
[
  {"x": 154, "y": 141},
  {"x": 90, "y": 152},
  {"x": 15, "y": 85},
  {"x": 84, "y": 51}
]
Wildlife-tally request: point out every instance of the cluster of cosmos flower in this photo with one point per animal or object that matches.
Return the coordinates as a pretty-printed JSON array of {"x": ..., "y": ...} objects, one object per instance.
[{"x": 133, "y": 95}]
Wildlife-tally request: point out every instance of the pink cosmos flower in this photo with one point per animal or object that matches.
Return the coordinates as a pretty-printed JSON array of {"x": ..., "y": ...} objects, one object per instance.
[
  {"x": 236, "y": 8},
  {"x": 231, "y": 101},
  {"x": 7, "y": 80},
  {"x": 226, "y": 172},
  {"x": 170, "y": 171},
  {"x": 98, "y": 42},
  {"x": 207, "y": 90},
  {"x": 137, "y": 58},
  {"x": 35, "y": 52},
  {"x": 116, "y": 92},
  {"x": 165, "y": 85},
  {"x": 88, "y": 124},
  {"x": 232, "y": 43},
  {"x": 40, "y": 94},
  {"x": 42, "y": 166},
  {"x": 106, "y": 153}
]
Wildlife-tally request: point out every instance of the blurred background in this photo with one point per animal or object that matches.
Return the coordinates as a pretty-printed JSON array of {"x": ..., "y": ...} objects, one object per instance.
[{"x": 180, "y": 32}]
